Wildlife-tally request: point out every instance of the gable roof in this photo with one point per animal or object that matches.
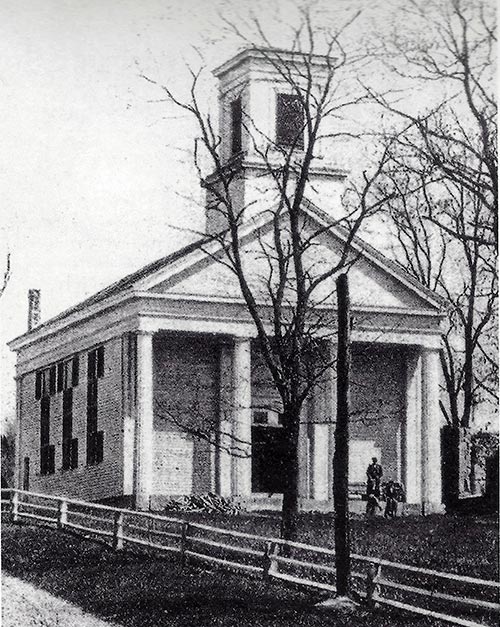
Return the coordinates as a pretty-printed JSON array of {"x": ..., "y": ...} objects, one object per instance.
[
  {"x": 390, "y": 265},
  {"x": 393, "y": 268},
  {"x": 122, "y": 284}
]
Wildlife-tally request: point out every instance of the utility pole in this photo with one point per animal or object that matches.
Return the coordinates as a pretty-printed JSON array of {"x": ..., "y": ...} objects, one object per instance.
[{"x": 341, "y": 455}]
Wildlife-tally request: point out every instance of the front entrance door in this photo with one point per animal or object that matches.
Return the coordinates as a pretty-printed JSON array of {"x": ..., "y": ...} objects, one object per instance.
[{"x": 268, "y": 453}]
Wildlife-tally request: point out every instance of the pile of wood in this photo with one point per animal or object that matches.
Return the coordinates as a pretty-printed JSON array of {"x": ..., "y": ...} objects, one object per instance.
[{"x": 208, "y": 503}]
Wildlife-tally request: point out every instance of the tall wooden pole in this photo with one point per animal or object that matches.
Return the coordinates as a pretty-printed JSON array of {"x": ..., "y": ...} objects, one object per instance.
[{"x": 341, "y": 455}]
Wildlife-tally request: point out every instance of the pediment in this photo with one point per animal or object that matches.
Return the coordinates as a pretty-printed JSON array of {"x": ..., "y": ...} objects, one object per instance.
[{"x": 371, "y": 284}]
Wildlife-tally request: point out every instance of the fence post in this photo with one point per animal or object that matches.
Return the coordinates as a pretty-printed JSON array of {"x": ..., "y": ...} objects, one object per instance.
[
  {"x": 14, "y": 506},
  {"x": 372, "y": 578},
  {"x": 118, "y": 531},
  {"x": 62, "y": 517},
  {"x": 266, "y": 561},
  {"x": 270, "y": 561},
  {"x": 184, "y": 542}
]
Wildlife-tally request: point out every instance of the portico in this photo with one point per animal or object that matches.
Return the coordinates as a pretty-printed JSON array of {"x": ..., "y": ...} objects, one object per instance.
[{"x": 201, "y": 393}]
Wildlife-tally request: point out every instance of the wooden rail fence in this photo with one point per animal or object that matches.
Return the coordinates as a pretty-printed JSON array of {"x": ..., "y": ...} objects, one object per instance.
[{"x": 452, "y": 598}]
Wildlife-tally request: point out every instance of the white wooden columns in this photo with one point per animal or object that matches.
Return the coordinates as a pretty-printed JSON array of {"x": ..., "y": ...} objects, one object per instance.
[
  {"x": 423, "y": 430},
  {"x": 413, "y": 422},
  {"x": 431, "y": 432},
  {"x": 242, "y": 418},
  {"x": 144, "y": 420}
]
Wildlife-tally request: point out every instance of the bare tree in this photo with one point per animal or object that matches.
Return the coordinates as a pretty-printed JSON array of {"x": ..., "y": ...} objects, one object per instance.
[
  {"x": 291, "y": 298},
  {"x": 450, "y": 47},
  {"x": 442, "y": 171},
  {"x": 6, "y": 275}
]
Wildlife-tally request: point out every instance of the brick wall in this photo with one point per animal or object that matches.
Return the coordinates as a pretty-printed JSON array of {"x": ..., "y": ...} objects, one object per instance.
[
  {"x": 186, "y": 392},
  {"x": 103, "y": 480},
  {"x": 377, "y": 410}
]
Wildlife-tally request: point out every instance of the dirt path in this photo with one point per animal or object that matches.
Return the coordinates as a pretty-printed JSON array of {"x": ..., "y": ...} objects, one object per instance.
[{"x": 24, "y": 605}]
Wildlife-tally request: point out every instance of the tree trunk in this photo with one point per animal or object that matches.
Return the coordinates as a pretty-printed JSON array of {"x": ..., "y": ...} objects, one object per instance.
[
  {"x": 341, "y": 456},
  {"x": 451, "y": 466},
  {"x": 290, "y": 508}
]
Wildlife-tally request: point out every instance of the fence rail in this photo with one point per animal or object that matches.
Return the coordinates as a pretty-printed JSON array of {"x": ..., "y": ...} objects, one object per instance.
[{"x": 456, "y": 599}]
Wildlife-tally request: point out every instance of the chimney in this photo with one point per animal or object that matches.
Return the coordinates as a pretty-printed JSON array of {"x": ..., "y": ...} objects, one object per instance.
[{"x": 33, "y": 309}]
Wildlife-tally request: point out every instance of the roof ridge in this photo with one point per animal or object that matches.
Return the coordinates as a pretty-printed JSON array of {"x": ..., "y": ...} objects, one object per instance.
[{"x": 124, "y": 282}]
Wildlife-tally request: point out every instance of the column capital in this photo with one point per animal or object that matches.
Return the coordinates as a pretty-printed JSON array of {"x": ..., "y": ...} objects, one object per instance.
[
  {"x": 240, "y": 339},
  {"x": 144, "y": 332}
]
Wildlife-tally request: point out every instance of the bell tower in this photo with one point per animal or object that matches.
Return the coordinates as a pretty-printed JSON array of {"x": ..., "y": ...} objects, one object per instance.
[{"x": 261, "y": 120}]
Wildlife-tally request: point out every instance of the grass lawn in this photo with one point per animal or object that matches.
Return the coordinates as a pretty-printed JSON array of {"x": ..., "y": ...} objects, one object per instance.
[
  {"x": 132, "y": 589},
  {"x": 466, "y": 545}
]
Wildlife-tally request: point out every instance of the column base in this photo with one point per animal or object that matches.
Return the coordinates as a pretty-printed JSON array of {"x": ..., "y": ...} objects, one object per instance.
[
  {"x": 142, "y": 503},
  {"x": 433, "y": 508}
]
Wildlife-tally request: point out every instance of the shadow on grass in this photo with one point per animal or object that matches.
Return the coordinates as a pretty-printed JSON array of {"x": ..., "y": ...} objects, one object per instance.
[{"x": 135, "y": 590}]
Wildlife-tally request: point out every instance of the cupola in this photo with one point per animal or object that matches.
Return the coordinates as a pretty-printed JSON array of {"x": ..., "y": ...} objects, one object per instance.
[{"x": 261, "y": 119}]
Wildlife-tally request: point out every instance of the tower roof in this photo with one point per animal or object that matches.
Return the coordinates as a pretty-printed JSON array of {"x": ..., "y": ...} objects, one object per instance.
[{"x": 270, "y": 55}]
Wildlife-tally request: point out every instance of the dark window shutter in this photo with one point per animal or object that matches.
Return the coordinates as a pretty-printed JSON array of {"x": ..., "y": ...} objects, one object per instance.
[
  {"x": 38, "y": 385},
  {"x": 74, "y": 453},
  {"x": 91, "y": 374},
  {"x": 67, "y": 427},
  {"x": 52, "y": 380},
  {"x": 45, "y": 421},
  {"x": 43, "y": 460},
  {"x": 92, "y": 400},
  {"x": 66, "y": 454},
  {"x": 99, "y": 447},
  {"x": 236, "y": 126},
  {"x": 26, "y": 474},
  {"x": 100, "y": 361},
  {"x": 51, "y": 461},
  {"x": 75, "y": 371},
  {"x": 60, "y": 376},
  {"x": 90, "y": 448},
  {"x": 289, "y": 121}
]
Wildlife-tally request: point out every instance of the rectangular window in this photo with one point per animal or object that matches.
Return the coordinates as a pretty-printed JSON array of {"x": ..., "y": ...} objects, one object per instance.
[
  {"x": 67, "y": 428},
  {"x": 95, "y": 363},
  {"x": 67, "y": 374},
  {"x": 236, "y": 120},
  {"x": 289, "y": 121},
  {"x": 44, "y": 383}
]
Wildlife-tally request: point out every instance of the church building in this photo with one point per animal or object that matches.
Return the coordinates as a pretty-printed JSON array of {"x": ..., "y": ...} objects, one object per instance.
[{"x": 154, "y": 387}]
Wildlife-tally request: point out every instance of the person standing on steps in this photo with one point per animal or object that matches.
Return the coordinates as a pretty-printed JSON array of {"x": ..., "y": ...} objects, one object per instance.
[{"x": 374, "y": 474}]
